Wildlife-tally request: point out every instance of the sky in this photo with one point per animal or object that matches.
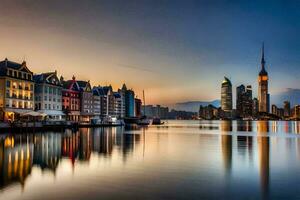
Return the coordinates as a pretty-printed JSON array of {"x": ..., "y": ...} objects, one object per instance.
[{"x": 174, "y": 50}]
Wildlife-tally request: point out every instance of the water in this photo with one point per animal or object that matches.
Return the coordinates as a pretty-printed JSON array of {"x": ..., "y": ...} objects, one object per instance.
[{"x": 179, "y": 160}]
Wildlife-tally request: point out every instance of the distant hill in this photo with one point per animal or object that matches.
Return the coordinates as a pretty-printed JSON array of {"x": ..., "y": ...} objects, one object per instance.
[
  {"x": 290, "y": 94},
  {"x": 193, "y": 106}
]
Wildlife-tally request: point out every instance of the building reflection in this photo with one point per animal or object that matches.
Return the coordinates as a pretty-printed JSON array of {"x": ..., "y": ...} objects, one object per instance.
[
  {"x": 244, "y": 125},
  {"x": 70, "y": 145},
  {"x": 47, "y": 150},
  {"x": 104, "y": 140},
  {"x": 16, "y": 159},
  {"x": 85, "y": 144},
  {"x": 226, "y": 145},
  {"x": 263, "y": 143},
  {"x": 262, "y": 127},
  {"x": 274, "y": 125}
]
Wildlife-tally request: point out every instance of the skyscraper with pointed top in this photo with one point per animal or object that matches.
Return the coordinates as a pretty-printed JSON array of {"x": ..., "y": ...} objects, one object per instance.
[{"x": 263, "y": 93}]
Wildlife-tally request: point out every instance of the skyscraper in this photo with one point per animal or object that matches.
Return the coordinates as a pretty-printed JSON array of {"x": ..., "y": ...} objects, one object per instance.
[
  {"x": 226, "y": 95},
  {"x": 263, "y": 95},
  {"x": 244, "y": 101}
]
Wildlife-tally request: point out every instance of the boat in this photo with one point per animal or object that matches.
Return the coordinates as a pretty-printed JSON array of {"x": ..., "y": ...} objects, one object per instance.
[
  {"x": 157, "y": 121},
  {"x": 144, "y": 121}
]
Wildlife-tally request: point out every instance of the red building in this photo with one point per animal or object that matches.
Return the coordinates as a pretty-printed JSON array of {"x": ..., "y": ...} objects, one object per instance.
[{"x": 71, "y": 99}]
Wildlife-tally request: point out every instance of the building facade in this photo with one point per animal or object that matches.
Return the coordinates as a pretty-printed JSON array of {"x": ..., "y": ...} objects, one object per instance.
[
  {"x": 86, "y": 101},
  {"x": 244, "y": 102},
  {"x": 263, "y": 93},
  {"x": 71, "y": 99},
  {"x": 226, "y": 98},
  {"x": 138, "y": 107},
  {"x": 287, "y": 109},
  {"x": 16, "y": 90},
  {"x": 48, "y": 95}
]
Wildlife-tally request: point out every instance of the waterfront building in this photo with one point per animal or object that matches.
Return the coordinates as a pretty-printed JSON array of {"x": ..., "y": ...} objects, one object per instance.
[
  {"x": 96, "y": 103},
  {"x": 255, "y": 108},
  {"x": 86, "y": 101},
  {"x": 280, "y": 112},
  {"x": 48, "y": 95},
  {"x": 244, "y": 101},
  {"x": 108, "y": 92},
  {"x": 122, "y": 94},
  {"x": 103, "y": 101},
  {"x": 274, "y": 110},
  {"x": 129, "y": 103},
  {"x": 118, "y": 105},
  {"x": 110, "y": 102},
  {"x": 296, "y": 112},
  {"x": 240, "y": 90},
  {"x": 226, "y": 97},
  {"x": 208, "y": 112},
  {"x": 71, "y": 99},
  {"x": 263, "y": 94},
  {"x": 155, "y": 111},
  {"x": 138, "y": 107},
  {"x": 16, "y": 90},
  {"x": 287, "y": 109}
]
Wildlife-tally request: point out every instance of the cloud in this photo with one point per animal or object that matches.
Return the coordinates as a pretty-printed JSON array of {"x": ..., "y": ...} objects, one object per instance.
[{"x": 136, "y": 68}]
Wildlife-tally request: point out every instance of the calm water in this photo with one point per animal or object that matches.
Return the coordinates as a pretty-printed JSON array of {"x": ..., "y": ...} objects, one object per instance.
[{"x": 179, "y": 160}]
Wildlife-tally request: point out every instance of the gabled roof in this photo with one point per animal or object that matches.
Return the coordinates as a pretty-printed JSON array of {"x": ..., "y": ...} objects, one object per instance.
[
  {"x": 49, "y": 78},
  {"x": 13, "y": 65},
  {"x": 84, "y": 85},
  {"x": 117, "y": 95},
  {"x": 71, "y": 85}
]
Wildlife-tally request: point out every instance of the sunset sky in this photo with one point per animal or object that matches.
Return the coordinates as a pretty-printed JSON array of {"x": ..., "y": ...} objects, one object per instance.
[{"x": 175, "y": 50}]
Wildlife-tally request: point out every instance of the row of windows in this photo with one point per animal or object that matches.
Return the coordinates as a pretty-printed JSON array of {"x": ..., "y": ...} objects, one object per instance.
[
  {"x": 18, "y": 104},
  {"x": 38, "y": 106},
  {"x": 71, "y": 95},
  {"x": 19, "y": 85},
  {"x": 72, "y": 107},
  {"x": 19, "y": 94},
  {"x": 52, "y": 90},
  {"x": 46, "y": 98},
  {"x": 19, "y": 74},
  {"x": 72, "y": 101}
]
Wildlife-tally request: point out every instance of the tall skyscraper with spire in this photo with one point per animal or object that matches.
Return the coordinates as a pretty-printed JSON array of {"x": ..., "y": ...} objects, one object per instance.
[{"x": 263, "y": 93}]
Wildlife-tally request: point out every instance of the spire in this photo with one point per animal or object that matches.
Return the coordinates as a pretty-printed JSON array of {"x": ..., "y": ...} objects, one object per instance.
[
  {"x": 263, "y": 71},
  {"x": 263, "y": 56}
]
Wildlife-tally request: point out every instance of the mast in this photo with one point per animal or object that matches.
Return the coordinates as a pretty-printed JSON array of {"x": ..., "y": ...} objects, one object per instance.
[{"x": 144, "y": 103}]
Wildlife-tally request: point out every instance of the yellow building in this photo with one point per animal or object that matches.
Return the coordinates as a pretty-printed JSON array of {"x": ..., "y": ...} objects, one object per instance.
[{"x": 16, "y": 90}]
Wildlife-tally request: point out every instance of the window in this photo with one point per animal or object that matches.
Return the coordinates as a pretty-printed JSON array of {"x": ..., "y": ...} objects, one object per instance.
[
  {"x": 45, "y": 106},
  {"x": 29, "y": 77},
  {"x": 24, "y": 75},
  {"x": 10, "y": 72},
  {"x": 8, "y": 83},
  {"x": 46, "y": 89},
  {"x": 50, "y": 90},
  {"x": 19, "y": 75},
  {"x": 8, "y": 93},
  {"x": 45, "y": 98},
  {"x": 26, "y": 105},
  {"x": 20, "y": 104},
  {"x": 15, "y": 74}
]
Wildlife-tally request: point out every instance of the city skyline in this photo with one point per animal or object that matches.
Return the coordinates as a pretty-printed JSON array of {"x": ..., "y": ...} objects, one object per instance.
[{"x": 151, "y": 46}]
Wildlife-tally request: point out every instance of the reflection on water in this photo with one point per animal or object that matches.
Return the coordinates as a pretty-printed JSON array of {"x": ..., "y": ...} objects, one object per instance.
[{"x": 154, "y": 162}]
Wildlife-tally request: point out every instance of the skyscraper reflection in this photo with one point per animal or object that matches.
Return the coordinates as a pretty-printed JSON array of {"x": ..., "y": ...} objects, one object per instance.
[
  {"x": 244, "y": 125},
  {"x": 226, "y": 145},
  {"x": 263, "y": 157}
]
